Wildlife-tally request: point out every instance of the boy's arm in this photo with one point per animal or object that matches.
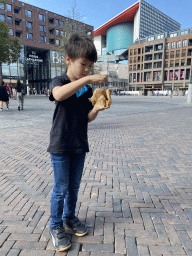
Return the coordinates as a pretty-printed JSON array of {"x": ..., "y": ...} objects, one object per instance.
[
  {"x": 93, "y": 114},
  {"x": 61, "y": 93}
]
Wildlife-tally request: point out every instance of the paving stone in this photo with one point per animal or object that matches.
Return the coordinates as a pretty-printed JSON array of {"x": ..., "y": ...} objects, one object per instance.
[
  {"x": 170, "y": 250},
  {"x": 131, "y": 246},
  {"x": 98, "y": 247}
]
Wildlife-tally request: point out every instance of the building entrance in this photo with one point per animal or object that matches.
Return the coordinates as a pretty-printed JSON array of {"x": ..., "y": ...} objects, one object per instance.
[{"x": 37, "y": 69}]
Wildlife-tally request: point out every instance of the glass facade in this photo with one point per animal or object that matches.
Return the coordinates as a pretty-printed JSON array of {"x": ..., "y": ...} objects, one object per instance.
[
  {"x": 36, "y": 68},
  {"x": 152, "y": 21}
]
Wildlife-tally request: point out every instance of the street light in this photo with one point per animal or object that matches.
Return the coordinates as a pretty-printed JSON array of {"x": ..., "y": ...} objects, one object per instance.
[{"x": 189, "y": 88}]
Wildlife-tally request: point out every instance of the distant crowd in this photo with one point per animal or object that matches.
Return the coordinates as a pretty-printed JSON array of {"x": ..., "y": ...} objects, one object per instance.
[{"x": 15, "y": 92}]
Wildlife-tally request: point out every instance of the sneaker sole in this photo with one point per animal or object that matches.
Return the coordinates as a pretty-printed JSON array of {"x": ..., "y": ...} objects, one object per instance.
[
  {"x": 61, "y": 249},
  {"x": 78, "y": 234}
]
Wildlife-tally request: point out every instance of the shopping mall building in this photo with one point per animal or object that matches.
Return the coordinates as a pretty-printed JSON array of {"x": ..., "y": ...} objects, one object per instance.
[
  {"x": 39, "y": 32},
  {"x": 113, "y": 38}
]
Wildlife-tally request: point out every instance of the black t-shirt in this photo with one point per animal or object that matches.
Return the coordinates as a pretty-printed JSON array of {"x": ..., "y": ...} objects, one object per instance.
[{"x": 70, "y": 121}]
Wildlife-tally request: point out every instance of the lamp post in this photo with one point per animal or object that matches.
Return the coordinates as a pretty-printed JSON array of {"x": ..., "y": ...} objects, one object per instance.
[{"x": 189, "y": 88}]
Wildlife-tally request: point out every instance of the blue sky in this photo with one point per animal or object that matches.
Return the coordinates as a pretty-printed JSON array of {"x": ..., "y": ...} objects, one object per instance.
[{"x": 97, "y": 12}]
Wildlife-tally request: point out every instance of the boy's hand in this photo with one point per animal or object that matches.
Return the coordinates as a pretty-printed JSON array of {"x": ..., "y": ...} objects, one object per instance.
[{"x": 98, "y": 79}]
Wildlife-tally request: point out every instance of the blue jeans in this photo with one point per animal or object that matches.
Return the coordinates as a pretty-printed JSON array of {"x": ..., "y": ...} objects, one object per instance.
[{"x": 68, "y": 169}]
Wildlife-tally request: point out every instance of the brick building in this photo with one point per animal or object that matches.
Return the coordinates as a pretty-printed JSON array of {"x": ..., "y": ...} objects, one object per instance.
[
  {"x": 161, "y": 62},
  {"x": 39, "y": 32}
]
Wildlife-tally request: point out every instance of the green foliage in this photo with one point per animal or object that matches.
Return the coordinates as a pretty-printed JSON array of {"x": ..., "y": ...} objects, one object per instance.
[{"x": 9, "y": 48}]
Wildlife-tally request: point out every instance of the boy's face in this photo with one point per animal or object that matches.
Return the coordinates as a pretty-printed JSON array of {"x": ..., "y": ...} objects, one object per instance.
[{"x": 78, "y": 68}]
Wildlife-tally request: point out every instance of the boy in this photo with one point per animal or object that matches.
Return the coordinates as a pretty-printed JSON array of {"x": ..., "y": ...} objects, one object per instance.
[{"x": 68, "y": 136}]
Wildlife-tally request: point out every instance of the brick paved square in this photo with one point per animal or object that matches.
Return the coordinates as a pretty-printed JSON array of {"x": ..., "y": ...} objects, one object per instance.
[{"x": 136, "y": 190}]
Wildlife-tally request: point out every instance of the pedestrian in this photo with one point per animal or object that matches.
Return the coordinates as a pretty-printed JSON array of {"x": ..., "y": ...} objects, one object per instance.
[
  {"x": 20, "y": 95},
  {"x": 3, "y": 96},
  {"x": 8, "y": 89},
  {"x": 14, "y": 93},
  {"x": 68, "y": 136}
]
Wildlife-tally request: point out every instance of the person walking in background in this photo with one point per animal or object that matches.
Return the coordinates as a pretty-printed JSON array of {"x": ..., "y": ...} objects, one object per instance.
[
  {"x": 8, "y": 89},
  {"x": 14, "y": 93},
  {"x": 3, "y": 96},
  {"x": 20, "y": 95}
]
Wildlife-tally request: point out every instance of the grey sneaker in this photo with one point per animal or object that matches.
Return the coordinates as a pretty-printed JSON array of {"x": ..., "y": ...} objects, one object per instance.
[
  {"x": 79, "y": 229},
  {"x": 60, "y": 240}
]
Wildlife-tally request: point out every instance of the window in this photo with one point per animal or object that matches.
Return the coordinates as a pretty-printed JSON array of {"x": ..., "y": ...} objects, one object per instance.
[
  {"x": 28, "y": 13},
  {"x": 29, "y": 24},
  {"x": 1, "y": 6},
  {"x": 42, "y": 17},
  {"x": 57, "y": 22},
  {"x": 185, "y": 32},
  {"x": 183, "y": 62},
  {"x": 51, "y": 20},
  {"x": 172, "y": 55},
  {"x": 10, "y": 31},
  {"x": 62, "y": 23},
  {"x": 167, "y": 55},
  {"x": 131, "y": 52},
  {"x": 177, "y": 63},
  {"x": 165, "y": 75},
  {"x": 167, "y": 46},
  {"x": 17, "y": 22},
  {"x": 57, "y": 32},
  {"x": 18, "y": 34},
  {"x": 173, "y": 45},
  {"x": 177, "y": 53},
  {"x": 80, "y": 29},
  {"x": 130, "y": 68},
  {"x": 2, "y": 17},
  {"x": 70, "y": 26},
  {"x": 166, "y": 64},
  {"x": 9, "y": 19},
  {"x": 57, "y": 42},
  {"x": 51, "y": 41},
  {"x": 63, "y": 34},
  {"x": 173, "y": 34},
  {"x": 183, "y": 53},
  {"x": 182, "y": 74},
  {"x": 171, "y": 63},
  {"x": 30, "y": 36},
  {"x": 135, "y": 51},
  {"x": 130, "y": 78},
  {"x": 42, "y": 28},
  {"x": 42, "y": 39},
  {"x": 9, "y": 7},
  {"x": 134, "y": 67},
  {"x": 178, "y": 44},
  {"x": 51, "y": 31},
  {"x": 176, "y": 75},
  {"x": 16, "y": 10},
  {"x": 170, "y": 75},
  {"x": 157, "y": 76},
  {"x": 184, "y": 43}
]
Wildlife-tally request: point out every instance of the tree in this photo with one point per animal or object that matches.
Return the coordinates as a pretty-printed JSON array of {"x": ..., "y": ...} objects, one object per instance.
[
  {"x": 9, "y": 48},
  {"x": 72, "y": 24}
]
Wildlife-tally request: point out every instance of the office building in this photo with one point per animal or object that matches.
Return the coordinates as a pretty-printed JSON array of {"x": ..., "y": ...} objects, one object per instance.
[
  {"x": 161, "y": 62},
  {"x": 39, "y": 32}
]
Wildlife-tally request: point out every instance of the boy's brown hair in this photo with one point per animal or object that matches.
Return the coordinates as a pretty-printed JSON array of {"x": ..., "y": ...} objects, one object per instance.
[{"x": 80, "y": 46}]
